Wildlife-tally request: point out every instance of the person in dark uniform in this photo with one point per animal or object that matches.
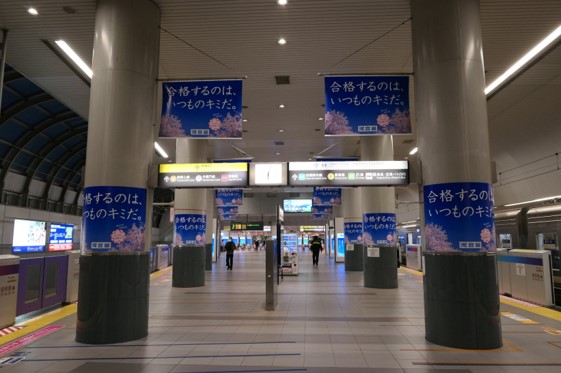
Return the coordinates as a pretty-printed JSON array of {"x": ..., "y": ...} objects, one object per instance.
[
  {"x": 230, "y": 247},
  {"x": 315, "y": 247}
]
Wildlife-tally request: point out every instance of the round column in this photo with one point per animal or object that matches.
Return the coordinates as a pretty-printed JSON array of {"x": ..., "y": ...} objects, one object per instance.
[
  {"x": 190, "y": 207},
  {"x": 379, "y": 221},
  {"x": 461, "y": 292},
  {"x": 114, "y": 282},
  {"x": 352, "y": 210}
]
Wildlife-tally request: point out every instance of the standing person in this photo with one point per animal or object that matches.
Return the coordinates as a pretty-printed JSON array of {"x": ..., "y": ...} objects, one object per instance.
[
  {"x": 230, "y": 247},
  {"x": 315, "y": 247}
]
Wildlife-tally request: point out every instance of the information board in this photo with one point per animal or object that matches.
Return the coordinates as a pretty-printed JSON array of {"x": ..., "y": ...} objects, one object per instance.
[
  {"x": 60, "y": 237},
  {"x": 203, "y": 175}
]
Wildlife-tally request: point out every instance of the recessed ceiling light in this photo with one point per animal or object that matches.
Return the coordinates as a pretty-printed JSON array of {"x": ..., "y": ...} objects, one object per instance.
[
  {"x": 282, "y": 41},
  {"x": 160, "y": 150},
  {"x": 74, "y": 57},
  {"x": 282, "y": 106},
  {"x": 282, "y": 2},
  {"x": 32, "y": 11},
  {"x": 244, "y": 120},
  {"x": 320, "y": 118},
  {"x": 278, "y": 153},
  {"x": 281, "y": 130},
  {"x": 413, "y": 151}
]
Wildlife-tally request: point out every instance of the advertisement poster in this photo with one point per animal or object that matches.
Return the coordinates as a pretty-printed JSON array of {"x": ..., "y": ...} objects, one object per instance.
[
  {"x": 190, "y": 230},
  {"x": 379, "y": 229},
  {"x": 327, "y": 196},
  {"x": 202, "y": 109},
  {"x": 227, "y": 211},
  {"x": 353, "y": 232},
  {"x": 228, "y": 197},
  {"x": 60, "y": 237},
  {"x": 366, "y": 105},
  {"x": 459, "y": 217},
  {"x": 113, "y": 219},
  {"x": 324, "y": 210},
  {"x": 29, "y": 236}
]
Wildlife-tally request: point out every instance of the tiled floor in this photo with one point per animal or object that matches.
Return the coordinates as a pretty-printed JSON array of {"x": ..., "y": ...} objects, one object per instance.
[{"x": 325, "y": 321}]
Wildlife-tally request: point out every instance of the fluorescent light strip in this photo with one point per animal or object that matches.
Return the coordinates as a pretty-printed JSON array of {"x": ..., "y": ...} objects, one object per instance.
[
  {"x": 413, "y": 151},
  {"x": 524, "y": 60},
  {"x": 532, "y": 201},
  {"x": 160, "y": 150},
  {"x": 408, "y": 226},
  {"x": 74, "y": 57}
]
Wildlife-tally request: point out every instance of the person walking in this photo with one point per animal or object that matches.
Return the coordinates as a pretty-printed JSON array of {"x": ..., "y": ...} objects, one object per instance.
[
  {"x": 230, "y": 247},
  {"x": 315, "y": 247}
]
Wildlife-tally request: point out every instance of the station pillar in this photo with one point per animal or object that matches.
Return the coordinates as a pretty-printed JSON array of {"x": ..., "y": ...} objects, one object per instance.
[
  {"x": 114, "y": 265},
  {"x": 352, "y": 228},
  {"x": 460, "y": 284},
  {"x": 379, "y": 221},
  {"x": 190, "y": 221}
]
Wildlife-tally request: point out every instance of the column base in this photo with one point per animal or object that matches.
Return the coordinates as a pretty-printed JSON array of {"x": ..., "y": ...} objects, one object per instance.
[
  {"x": 113, "y": 298},
  {"x": 462, "y": 301},
  {"x": 381, "y": 272},
  {"x": 354, "y": 260},
  {"x": 188, "y": 267}
]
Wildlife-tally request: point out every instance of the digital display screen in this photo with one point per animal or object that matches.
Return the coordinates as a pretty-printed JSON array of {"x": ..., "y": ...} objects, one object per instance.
[
  {"x": 297, "y": 205},
  {"x": 267, "y": 173},
  {"x": 60, "y": 237},
  {"x": 29, "y": 236}
]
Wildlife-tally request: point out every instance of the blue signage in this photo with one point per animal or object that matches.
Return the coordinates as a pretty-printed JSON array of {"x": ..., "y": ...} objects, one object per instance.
[
  {"x": 325, "y": 210},
  {"x": 227, "y": 210},
  {"x": 228, "y": 197},
  {"x": 190, "y": 230},
  {"x": 459, "y": 217},
  {"x": 320, "y": 216},
  {"x": 366, "y": 105},
  {"x": 114, "y": 219},
  {"x": 60, "y": 237},
  {"x": 202, "y": 109},
  {"x": 379, "y": 229},
  {"x": 353, "y": 232},
  {"x": 327, "y": 196}
]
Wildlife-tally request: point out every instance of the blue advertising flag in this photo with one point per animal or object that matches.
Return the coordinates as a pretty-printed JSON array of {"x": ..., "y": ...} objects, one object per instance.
[
  {"x": 379, "y": 229},
  {"x": 459, "y": 217},
  {"x": 202, "y": 109},
  {"x": 190, "y": 230},
  {"x": 327, "y": 196},
  {"x": 227, "y": 210},
  {"x": 353, "y": 232},
  {"x": 228, "y": 197},
  {"x": 113, "y": 219},
  {"x": 367, "y": 105},
  {"x": 320, "y": 216},
  {"x": 324, "y": 210}
]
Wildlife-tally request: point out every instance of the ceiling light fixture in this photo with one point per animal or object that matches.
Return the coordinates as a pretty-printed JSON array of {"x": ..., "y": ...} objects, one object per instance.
[
  {"x": 160, "y": 150},
  {"x": 518, "y": 65},
  {"x": 413, "y": 151},
  {"x": 244, "y": 120},
  {"x": 281, "y": 106},
  {"x": 74, "y": 57},
  {"x": 32, "y": 11},
  {"x": 320, "y": 118},
  {"x": 282, "y": 2},
  {"x": 533, "y": 201},
  {"x": 282, "y": 41},
  {"x": 281, "y": 130}
]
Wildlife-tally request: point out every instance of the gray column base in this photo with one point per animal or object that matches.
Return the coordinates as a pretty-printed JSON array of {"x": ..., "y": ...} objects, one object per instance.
[
  {"x": 208, "y": 257},
  {"x": 113, "y": 298},
  {"x": 354, "y": 260},
  {"x": 188, "y": 267},
  {"x": 462, "y": 301},
  {"x": 381, "y": 272}
]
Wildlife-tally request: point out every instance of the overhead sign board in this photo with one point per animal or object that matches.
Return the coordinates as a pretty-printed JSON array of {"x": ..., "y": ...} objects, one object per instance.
[
  {"x": 248, "y": 226},
  {"x": 267, "y": 174},
  {"x": 355, "y": 173},
  {"x": 203, "y": 175}
]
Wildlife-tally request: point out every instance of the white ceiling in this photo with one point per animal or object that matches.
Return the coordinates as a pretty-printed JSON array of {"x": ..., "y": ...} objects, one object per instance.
[{"x": 323, "y": 36}]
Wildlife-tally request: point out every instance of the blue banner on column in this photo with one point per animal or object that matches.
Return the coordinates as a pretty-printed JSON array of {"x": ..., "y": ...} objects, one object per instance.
[
  {"x": 324, "y": 210},
  {"x": 190, "y": 229},
  {"x": 228, "y": 197},
  {"x": 202, "y": 109},
  {"x": 459, "y": 217},
  {"x": 379, "y": 229},
  {"x": 366, "y": 105},
  {"x": 327, "y": 196},
  {"x": 353, "y": 232},
  {"x": 114, "y": 219}
]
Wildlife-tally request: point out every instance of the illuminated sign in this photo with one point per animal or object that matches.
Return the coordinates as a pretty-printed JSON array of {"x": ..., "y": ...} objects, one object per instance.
[
  {"x": 267, "y": 173},
  {"x": 252, "y": 226},
  {"x": 60, "y": 237},
  {"x": 203, "y": 175},
  {"x": 355, "y": 173},
  {"x": 29, "y": 236}
]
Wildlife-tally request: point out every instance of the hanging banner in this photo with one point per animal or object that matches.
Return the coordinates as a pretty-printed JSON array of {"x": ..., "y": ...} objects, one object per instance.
[
  {"x": 229, "y": 197},
  {"x": 353, "y": 232},
  {"x": 202, "y": 109},
  {"x": 190, "y": 230},
  {"x": 320, "y": 216},
  {"x": 228, "y": 217},
  {"x": 113, "y": 219},
  {"x": 327, "y": 196},
  {"x": 459, "y": 217},
  {"x": 367, "y": 105},
  {"x": 324, "y": 210},
  {"x": 227, "y": 210},
  {"x": 379, "y": 229}
]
